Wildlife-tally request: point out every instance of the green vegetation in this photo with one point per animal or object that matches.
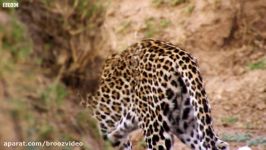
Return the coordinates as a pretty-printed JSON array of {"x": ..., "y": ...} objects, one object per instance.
[
  {"x": 190, "y": 8},
  {"x": 229, "y": 120},
  {"x": 154, "y": 26},
  {"x": 238, "y": 137},
  {"x": 15, "y": 40},
  {"x": 124, "y": 27},
  {"x": 150, "y": 28},
  {"x": 159, "y": 3},
  {"x": 244, "y": 137},
  {"x": 257, "y": 141},
  {"x": 164, "y": 23},
  {"x": 15, "y": 46},
  {"x": 55, "y": 92},
  {"x": 260, "y": 64},
  {"x": 86, "y": 122},
  {"x": 177, "y": 2},
  {"x": 141, "y": 145},
  {"x": 248, "y": 125}
]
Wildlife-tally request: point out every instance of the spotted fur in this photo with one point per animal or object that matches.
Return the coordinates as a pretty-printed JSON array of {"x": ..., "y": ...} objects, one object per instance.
[{"x": 155, "y": 86}]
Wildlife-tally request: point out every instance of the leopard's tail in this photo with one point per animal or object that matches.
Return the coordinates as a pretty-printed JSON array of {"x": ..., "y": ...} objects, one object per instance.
[{"x": 193, "y": 83}]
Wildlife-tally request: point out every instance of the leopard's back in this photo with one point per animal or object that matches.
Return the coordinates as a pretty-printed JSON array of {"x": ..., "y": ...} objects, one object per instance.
[{"x": 155, "y": 86}]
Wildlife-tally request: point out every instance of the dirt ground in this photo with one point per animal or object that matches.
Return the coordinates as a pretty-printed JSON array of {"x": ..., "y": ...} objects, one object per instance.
[{"x": 228, "y": 38}]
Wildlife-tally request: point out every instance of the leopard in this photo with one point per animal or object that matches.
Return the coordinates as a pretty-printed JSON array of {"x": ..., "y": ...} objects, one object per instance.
[{"x": 154, "y": 86}]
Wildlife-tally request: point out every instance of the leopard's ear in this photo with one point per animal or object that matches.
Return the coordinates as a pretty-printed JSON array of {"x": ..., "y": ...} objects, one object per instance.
[{"x": 221, "y": 145}]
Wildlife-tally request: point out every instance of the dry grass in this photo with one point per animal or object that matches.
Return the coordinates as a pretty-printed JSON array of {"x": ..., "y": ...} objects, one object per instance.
[
  {"x": 67, "y": 38},
  {"x": 34, "y": 107}
]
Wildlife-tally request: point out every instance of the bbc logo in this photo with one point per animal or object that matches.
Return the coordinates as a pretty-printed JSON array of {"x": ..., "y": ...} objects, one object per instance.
[{"x": 10, "y": 5}]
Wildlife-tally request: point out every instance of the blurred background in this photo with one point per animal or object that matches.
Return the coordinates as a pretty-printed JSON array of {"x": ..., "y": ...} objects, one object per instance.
[{"x": 51, "y": 53}]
